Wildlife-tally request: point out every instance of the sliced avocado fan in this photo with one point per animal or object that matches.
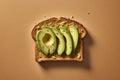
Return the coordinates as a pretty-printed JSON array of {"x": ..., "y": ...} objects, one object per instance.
[
  {"x": 46, "y": 40},
  {"x": 50, "y": 39}
]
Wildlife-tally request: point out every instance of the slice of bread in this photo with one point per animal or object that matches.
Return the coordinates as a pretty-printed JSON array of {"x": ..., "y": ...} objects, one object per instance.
[{"x": 77, "y": 55}]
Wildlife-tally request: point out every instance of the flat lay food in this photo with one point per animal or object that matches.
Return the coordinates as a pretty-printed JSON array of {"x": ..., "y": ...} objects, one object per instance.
[{"x": 58, "y": 39}]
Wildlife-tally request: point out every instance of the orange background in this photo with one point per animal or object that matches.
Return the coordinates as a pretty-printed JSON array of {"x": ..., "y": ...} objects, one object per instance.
[{"x": 101, "y": 18}]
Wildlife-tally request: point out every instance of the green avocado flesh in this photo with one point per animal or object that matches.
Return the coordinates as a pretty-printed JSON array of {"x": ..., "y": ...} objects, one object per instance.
[
  {"x": 50, "y": 39},
  {"x": 75, "y": 35},
  {"x": 61, "y": 41},
  {"x": 46, "y": 40},
  {"x": 69, "y": 43}
]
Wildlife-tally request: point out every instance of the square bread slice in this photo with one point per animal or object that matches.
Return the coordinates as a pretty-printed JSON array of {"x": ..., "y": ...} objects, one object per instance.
[{"x": 77, "y": 55}]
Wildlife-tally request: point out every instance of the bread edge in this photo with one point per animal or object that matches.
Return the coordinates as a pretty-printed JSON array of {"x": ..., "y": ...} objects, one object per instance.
[
  {"x": 41, "y": 59},
  {"x": 37, "y": 52}
]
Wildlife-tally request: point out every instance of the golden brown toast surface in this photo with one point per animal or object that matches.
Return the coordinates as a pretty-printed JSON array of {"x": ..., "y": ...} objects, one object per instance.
[{"x": 77, "y": 55}]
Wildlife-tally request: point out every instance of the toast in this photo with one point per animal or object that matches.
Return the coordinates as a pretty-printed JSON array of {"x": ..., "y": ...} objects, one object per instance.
[{"x": 77, "y": 55}]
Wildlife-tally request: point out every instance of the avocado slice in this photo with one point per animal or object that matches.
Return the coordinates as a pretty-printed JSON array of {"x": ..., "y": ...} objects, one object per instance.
[
  {"x": 69, "y": 43},
  {"x": 75, "y": 35},
  {"x": 61, "y": 41},
  {"x": 46, "y": 40},
  {"x": 42, "y": 47}
]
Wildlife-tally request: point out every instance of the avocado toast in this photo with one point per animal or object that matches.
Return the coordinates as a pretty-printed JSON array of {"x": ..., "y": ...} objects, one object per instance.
[{"x": 58, "y": 39}]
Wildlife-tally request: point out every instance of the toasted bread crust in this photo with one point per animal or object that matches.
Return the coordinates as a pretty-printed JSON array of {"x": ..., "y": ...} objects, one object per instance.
[
  {"x": 55, "y": 22},
  {"x": 79, "y": 26}
]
